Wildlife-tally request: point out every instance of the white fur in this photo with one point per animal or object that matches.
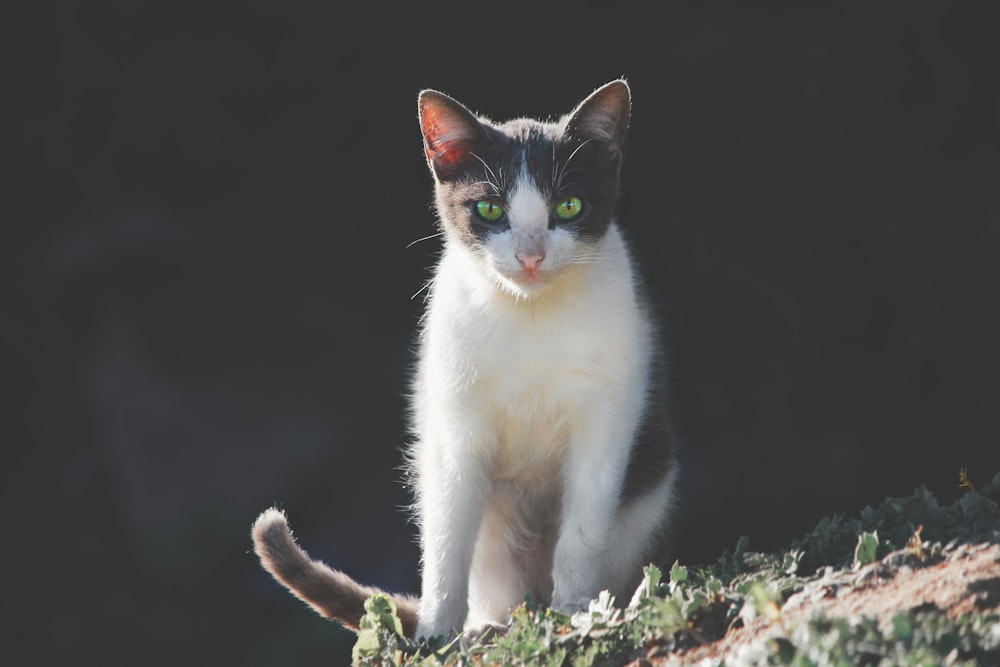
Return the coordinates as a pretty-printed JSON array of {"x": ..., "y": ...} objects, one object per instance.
[
  {"x": 528, "y": 233},
  {"x": 526, "y": 397}
]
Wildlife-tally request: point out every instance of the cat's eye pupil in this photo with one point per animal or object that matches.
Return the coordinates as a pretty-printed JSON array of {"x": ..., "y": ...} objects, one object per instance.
[
  {"x": 569, "y": 208},
  {"x": 488, "y": 210}
]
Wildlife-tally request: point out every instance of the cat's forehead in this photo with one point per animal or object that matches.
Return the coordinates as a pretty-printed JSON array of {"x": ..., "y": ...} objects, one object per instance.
[
  {"x": 524, "y": 141},
  {"x": 526, "y": 131},
  {"x": 518, "y": 148}
]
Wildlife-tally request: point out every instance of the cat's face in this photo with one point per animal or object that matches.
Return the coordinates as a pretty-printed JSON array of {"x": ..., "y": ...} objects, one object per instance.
[{"x": 529, "y": 199}]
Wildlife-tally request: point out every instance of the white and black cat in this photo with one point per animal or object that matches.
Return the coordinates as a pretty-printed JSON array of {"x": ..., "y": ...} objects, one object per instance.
[{"x": 543, "y": 461}]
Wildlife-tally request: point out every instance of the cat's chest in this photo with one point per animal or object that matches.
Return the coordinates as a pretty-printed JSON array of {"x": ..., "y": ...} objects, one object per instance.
[
  {"x": 552, "y": 353},
  {"x": 543, "y": 360},
  {"x": 518, "y": 379},
  {"x": 528, "y": 391},
  {"x": 530, "y": 380}
]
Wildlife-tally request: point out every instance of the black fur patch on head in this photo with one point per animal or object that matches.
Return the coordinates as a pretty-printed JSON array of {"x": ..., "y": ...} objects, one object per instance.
[{"x": 474, "y": 159}]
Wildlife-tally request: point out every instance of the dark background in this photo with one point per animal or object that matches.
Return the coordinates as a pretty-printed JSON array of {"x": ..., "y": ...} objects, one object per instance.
[{"x": 212, "y": 308}]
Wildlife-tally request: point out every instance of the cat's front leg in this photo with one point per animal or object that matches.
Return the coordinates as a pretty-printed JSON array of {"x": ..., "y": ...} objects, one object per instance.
[
  {"x": 450, "y": 506},
  {"x": 593, "y": 479}
]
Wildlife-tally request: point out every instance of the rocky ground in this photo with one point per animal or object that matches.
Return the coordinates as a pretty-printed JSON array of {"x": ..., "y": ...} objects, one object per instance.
[
  {"x": 964, "y": 581},
  {"x": 910, "y": 582}
]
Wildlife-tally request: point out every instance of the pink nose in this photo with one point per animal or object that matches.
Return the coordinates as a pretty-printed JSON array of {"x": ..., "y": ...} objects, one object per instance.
[{"x": 531, "y": 262}]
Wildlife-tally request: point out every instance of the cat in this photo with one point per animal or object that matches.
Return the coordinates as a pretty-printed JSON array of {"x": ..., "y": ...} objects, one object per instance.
[{"x": 543, "y": 461}]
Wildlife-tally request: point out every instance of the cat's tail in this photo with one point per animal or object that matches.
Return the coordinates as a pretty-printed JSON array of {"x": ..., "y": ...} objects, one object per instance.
[{"x": 330, "y": 592}]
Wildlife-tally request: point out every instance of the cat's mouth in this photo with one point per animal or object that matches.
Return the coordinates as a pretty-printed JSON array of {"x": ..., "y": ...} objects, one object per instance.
[
  {"x": 531, "y": 277},
  {"x": 526, "y": 283}
]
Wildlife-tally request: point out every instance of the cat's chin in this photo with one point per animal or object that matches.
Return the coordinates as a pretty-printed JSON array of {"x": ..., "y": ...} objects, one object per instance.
[{"x": 523, "y": 286}]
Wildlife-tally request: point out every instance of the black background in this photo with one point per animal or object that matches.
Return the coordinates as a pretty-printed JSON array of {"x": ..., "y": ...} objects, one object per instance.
[{"x": 212, "y": 308}]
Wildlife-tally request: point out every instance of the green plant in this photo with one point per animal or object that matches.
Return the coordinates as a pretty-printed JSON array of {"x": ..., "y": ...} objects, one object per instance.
[{"x": 697, "y": 605}]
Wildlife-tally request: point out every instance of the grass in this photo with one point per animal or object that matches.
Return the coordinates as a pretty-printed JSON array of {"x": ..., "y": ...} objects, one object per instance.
[{"x": 691, "y": 606}]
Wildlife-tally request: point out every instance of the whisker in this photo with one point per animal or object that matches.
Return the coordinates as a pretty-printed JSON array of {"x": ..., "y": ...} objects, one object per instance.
[
  {"x": 493, "y": 185},
  {"x": 554, "y": 163},
  {"x": 489, "y": 169},
  {"x": 424, "y": 288},
  {"x": 423, "y": 238},
  {"x": 563, "y": 182},
  {"x": 562, "y": 172}
]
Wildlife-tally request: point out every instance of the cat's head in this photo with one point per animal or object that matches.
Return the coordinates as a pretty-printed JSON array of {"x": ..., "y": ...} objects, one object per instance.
[{"x": 531, "y": 200}]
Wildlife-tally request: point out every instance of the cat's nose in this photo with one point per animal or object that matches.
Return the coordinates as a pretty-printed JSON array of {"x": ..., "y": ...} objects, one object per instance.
[{"x": 531, "y": 262}]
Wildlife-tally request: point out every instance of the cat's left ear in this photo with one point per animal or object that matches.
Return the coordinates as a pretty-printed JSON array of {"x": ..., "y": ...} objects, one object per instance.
[
  {"x": 603, "y": 115},
  {"x": 450, "y": 131}
]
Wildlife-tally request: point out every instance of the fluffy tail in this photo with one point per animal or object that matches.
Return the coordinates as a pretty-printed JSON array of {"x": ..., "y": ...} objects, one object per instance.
[{"x": 330, "y": 592}]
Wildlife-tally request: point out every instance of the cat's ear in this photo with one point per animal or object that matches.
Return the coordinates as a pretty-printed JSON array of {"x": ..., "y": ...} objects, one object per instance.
[
  {"x": 604, "y": 115},
  {"x": 450, "y": 131}
]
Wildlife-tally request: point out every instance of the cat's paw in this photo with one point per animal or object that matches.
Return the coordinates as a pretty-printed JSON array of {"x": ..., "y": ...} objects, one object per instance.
[
  {"x": 480, "y": 634},
  {"x": 570, "y": 607}
]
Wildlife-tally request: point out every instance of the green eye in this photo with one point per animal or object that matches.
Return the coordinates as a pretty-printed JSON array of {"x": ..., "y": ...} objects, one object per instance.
[
  {"x": 489, "y": 211},
  {"x": 569, "y": 208}
]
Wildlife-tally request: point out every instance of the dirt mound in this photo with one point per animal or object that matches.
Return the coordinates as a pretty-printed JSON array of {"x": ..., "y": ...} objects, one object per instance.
[{"x": 964, "y": 581}]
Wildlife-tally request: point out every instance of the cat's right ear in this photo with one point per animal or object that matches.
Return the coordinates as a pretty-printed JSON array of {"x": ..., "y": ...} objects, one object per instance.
[{"x": 450, "y": 131}]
